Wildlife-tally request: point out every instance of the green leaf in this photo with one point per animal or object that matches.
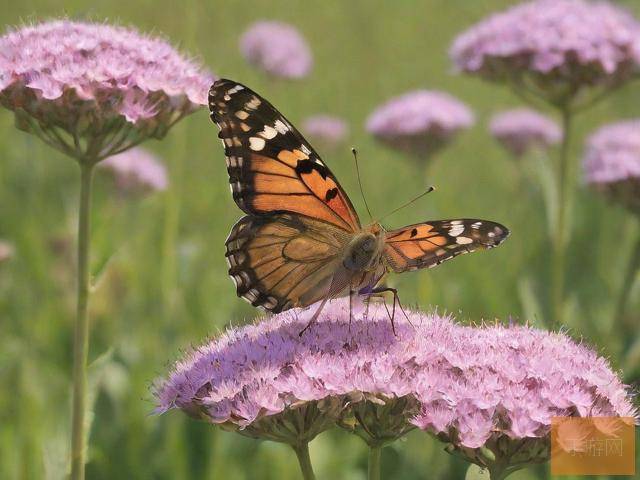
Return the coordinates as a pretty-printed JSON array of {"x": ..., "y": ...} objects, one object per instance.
[{"x": 474, "y": 472}]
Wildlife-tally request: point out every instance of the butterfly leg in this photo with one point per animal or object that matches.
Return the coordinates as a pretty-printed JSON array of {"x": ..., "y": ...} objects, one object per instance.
[
  {"x": 396, "y": 300},
  {"x": 333, "y": 287},
  {"x": 316, "y": 314},
  {"x": 351, "y": 292},
  {"x": 367, "y": 300}
]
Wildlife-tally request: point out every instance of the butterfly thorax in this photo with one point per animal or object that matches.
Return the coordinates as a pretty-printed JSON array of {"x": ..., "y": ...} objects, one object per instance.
[{"x": 364, "y": 251}]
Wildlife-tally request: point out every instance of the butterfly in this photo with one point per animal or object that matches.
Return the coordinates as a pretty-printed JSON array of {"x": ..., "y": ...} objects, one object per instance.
[{"x": 301, "y": 240}]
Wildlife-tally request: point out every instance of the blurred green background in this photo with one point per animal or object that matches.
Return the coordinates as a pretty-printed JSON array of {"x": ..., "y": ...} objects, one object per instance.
[{"x": 165, "y": 287}]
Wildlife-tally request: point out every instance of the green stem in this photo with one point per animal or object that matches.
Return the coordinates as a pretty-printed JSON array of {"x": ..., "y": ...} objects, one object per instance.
[
  {"x": 81, "y": 338},
  {"x": 633, "y": 267},
  {"x": 497, "y": 474},
  {"x": 374, "y": 463},
  {"x": 302, "y": 452},
  {"x": 560, "y": 236}
]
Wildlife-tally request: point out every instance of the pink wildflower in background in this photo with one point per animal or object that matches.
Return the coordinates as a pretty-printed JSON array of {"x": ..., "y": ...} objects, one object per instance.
[
  {"x": 488, "y": 387},
  {"x": 277, "y": 48},
  {"x": 420, "y": 122},
  {"x": 93, "y": 90},
  {"x": 326, "y": 130},
  {"x": 612, "y": 162},
  {"x": 558, "y": 45},
  {"x": 523, "y": 129},
  {"x": 137, "y": 170},
  {"x": 6, "y": 251}
]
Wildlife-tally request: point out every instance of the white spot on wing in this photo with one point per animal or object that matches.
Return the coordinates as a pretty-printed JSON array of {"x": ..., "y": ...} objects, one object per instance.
[
  {"x": 242, "y": 115},
  {"x": 456, "y": 229},
  {"x": 306, "y": 150},
  {"x": 268, "y": 132},
  {"x": 256, "y": 143},
  {"x": 253, "y": 103},
  {"x": 463, "y": 240},
  {"x": 281, "y": 127},
  {"x": 235, "y": 89}
]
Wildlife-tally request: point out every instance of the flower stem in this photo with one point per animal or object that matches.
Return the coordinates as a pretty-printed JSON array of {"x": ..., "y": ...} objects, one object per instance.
[
  {"x": 497, "y": 474},
  {"x": 633, "y": 267},
  {"x": 81, "y": 338},
  {"x": 302, "y": 452},
  {"x": 559, "y": 238},
  {"x": 374, "y": 463}
]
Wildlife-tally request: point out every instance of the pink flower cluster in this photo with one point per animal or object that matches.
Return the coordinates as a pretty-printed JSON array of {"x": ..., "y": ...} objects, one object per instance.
[
  {"x": 92, "y": 79},
  {"x": 473, "y": 384},
  {"x": 325, "y": 129},
  {"x": 137, "y": 170},
  {"x": 578, "y": 42},
  {"x": 523, "y": 129},
  {"x": 419, "y": 122},
  {"x": 277, "y": 48},
  {"x": 612, "y": 161}
]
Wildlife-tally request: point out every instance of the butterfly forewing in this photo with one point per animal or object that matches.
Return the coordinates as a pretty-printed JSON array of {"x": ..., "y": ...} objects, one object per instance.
[
  {"x": 271, "y": 166},
  {"x": 425, "y": 245}
]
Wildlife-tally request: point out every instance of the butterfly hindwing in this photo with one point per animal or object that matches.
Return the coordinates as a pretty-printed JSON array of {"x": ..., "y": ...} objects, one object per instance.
[
  {"x": 426, "y": 245},
  {"x": 282, "y": 261},
  {"x": 272, "y": 168}
]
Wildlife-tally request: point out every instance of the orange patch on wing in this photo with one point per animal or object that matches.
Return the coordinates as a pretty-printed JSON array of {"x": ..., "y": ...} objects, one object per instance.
[
  {"x": 339, "y": 205},
  {"x": 321, "y": 186},
  {"x": 291, "y": 157},
  {"x": 305, "y": 205},
  {"x": 410, "y": 249},
  {"x": 318, "y": 185},
  {"x": 421, "y": 232},
  {"x": 274, "y": 184},
  {"x": 431, "y": 242},
  {"x": 269, "y": 165}
]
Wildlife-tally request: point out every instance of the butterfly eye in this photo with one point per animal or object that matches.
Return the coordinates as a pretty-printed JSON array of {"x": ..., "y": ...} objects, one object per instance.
[{"x": 368, "y": 245}]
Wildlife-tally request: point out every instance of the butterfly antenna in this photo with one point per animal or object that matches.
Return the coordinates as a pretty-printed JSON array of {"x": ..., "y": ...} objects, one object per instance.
[
  {"x": 428, "y": 190},
  {"x": 355, "y": 157}
]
